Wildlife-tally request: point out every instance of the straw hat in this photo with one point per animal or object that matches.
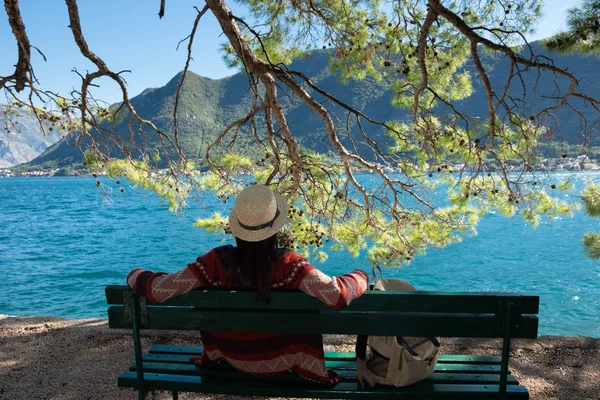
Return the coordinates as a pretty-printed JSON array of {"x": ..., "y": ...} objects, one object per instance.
[{"x": 258, "y": 213}]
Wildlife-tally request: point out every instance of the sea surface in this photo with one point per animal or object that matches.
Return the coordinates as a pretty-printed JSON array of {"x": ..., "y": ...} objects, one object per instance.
[{"x": 62, "y": 240}]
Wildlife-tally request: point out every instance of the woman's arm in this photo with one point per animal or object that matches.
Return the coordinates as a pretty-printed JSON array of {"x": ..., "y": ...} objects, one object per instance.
[
  {"x": 160, "y": 286},
  {"x": 336, "y": 292}
]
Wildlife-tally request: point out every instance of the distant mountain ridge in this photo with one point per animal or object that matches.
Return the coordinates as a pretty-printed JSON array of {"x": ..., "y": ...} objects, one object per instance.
[
  {"x": 21, "y": 139},
  {"x": 207, "y": 105}
]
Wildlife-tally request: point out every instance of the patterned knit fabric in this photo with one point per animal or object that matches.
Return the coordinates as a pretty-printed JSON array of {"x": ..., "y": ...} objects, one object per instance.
[{"x": 262, "y": 354}]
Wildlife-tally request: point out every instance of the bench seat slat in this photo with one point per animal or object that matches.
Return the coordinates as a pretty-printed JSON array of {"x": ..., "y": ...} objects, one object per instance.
[
  {"x": 330, "y": 322},
  {"x": 338, "y": 365},
  {"x": 196, "y": 351},
  {"x": 224, "y": 373},
  {"x": 421, "y": 301},
  {"x": 346, "y": 374},
  {"x": 342, "y": 390}
]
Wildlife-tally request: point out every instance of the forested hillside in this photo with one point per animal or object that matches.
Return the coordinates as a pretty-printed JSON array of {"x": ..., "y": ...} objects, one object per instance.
[{"x": 207, "y": 105}]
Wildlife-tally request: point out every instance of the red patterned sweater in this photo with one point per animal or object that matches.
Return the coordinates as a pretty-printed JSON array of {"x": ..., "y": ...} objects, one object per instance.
[{"x": 258, "y": 353}]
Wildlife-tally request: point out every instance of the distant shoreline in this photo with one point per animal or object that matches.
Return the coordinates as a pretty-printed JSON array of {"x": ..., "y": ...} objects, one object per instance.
[{"x": 41, "y": 174}]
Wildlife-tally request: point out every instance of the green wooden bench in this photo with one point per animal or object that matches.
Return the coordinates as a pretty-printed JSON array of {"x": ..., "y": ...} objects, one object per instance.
[{"x": 473, "y": 315}]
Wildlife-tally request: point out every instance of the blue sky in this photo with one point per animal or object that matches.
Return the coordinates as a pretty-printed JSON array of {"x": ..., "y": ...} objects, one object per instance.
[{"x": 129, "y": 35}]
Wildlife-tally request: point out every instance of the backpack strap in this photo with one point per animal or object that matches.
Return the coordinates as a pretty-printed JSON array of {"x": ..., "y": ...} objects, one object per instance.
[
  {"x": 405, "y": 344},
  {"x": 378, "y": 268},
  {"x": 361, "y": 347},
  {"x": 410, "y": 350}
]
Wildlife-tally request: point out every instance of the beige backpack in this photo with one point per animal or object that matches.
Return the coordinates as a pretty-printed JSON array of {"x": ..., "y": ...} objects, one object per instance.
[{"x": 395, "y": 360}]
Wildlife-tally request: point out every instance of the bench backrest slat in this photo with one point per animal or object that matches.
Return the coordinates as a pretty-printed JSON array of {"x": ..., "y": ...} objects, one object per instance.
[
  {"x": 375, "y": 313},
  {"x": 332, "y": 322},
  {"x": 419, "y": 301}
]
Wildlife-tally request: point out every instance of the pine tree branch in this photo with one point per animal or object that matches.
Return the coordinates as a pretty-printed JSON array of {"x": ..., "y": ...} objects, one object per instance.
[{"x": 24, "y": 53}]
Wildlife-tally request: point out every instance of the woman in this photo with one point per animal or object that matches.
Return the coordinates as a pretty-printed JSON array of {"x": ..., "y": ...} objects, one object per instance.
[{"x": 256, "y": 264}]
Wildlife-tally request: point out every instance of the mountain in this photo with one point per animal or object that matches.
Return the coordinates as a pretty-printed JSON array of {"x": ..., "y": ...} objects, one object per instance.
[
  {"x": 207, "y": 105},
  {"x": 21, "y": 139}
]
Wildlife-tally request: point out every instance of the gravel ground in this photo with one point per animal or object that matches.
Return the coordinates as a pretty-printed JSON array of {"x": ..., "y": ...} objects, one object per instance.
[{"x": 58, "y": 359}]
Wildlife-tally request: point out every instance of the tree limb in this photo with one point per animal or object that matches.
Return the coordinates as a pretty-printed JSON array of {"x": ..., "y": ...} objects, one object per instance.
[{"x": 18, "y": 29}]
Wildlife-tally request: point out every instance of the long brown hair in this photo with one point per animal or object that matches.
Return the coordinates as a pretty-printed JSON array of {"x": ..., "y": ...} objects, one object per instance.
[{"x": 252, "y": 265}]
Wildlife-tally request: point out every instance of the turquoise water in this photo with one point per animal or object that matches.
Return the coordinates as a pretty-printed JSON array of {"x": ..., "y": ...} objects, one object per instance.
[{"x": 62, "y": 241}]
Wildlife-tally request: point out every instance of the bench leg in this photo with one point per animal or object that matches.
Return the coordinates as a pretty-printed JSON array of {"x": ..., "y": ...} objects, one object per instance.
[
  {"x": 505, "y": 351},
  {"x": 175, "y": 395},
  {"x": 137, "y": 345}
]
